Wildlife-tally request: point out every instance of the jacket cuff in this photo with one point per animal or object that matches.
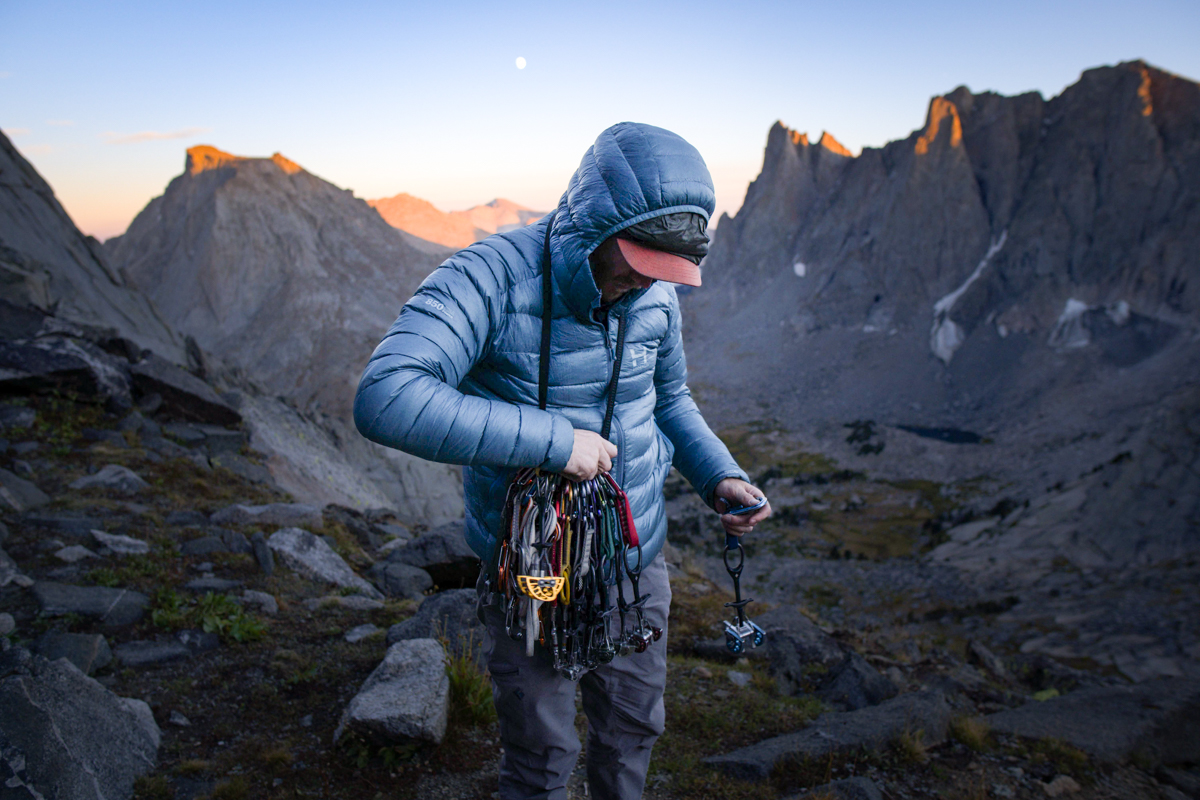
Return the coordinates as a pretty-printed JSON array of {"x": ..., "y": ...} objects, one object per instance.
[
  {"x": 562, "y": 442},
  {"x": 710, "y": 487}
]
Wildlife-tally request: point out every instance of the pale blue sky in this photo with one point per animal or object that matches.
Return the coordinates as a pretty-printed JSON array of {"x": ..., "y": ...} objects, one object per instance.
[{"x": 422, "y": 98}]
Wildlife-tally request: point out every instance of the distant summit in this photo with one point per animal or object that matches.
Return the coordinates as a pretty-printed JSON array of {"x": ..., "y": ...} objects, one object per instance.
[
  {"x": 292, "y": 281},
  {"x": 455, "y": 229}
]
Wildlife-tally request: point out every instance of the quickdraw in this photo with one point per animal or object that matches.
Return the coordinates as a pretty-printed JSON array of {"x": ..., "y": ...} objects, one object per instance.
[
  {"x": 566, "y": 546},
  {"x": 742, "y": 631}
]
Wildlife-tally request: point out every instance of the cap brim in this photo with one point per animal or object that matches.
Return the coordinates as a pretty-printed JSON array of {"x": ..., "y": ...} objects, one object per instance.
[{"x": 659, "y": 264}]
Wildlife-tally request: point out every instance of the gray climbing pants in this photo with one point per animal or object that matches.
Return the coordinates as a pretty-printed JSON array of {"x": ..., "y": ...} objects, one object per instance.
[{"x": 623, "y": 702}]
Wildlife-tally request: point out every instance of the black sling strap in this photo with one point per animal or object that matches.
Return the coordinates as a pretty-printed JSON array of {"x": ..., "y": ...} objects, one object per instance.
[{"x": 544, "y": 360}]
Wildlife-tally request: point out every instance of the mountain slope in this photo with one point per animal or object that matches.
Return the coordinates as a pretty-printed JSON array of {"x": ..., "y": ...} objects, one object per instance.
[
  {"x": 1021, "y": 270},
  {"x": 292, "y": 282},
  {"x": 46, "y": 262}
]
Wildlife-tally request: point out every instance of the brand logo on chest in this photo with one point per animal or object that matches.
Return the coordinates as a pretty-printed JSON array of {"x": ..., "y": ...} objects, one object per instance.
[{"x": 639, "y": 353}]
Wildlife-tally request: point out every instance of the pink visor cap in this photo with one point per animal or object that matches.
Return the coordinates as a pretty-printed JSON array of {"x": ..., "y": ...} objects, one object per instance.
[{"x": 659, "y": 264}]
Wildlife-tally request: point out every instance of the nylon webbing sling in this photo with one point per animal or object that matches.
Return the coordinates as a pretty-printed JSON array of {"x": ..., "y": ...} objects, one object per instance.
[{"x": 566, "y": 547}]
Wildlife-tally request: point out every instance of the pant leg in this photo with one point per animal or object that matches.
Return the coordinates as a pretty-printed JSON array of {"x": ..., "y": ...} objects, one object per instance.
[
  {"x": 536, "y": 711},
  {"x": 623, "y": 701}
]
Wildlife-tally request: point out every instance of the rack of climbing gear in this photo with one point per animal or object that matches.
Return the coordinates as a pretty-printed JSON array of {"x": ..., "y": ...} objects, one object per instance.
[
  {"x": 568, "y": 550},
  {"x": 741, "y": 632}
]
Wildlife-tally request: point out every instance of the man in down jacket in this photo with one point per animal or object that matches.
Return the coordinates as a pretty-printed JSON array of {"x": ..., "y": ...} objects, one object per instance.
[{"x": 456, "y": 380}]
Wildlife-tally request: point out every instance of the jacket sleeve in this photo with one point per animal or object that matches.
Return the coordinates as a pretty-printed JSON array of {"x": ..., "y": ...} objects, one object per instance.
[
  {"x": 408, "y": 397},
  {"x": 700, "y": 456}
]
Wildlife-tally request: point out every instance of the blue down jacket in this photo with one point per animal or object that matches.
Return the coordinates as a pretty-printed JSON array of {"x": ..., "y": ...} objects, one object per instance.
[{"x": 456, "y": 378}]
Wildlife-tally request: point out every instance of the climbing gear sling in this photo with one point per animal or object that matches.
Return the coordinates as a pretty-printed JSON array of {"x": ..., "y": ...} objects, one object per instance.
[{"x": 567, "y": 547}]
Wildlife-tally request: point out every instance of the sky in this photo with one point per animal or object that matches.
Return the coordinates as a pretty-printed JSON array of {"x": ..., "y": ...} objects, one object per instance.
[{"x": 426, "y": 98}]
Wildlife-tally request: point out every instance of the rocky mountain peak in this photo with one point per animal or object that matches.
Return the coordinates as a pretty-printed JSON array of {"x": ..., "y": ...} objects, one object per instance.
[
  {"x": 455, "y": 228},
  {"x": 205, "y": 157}
]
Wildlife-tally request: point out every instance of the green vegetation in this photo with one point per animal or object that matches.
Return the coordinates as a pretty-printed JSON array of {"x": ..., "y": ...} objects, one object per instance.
[
  {"x": 972, "y": 732},
  {"x": 470, "y": 688},
  {"x": 213, "y": 613}
]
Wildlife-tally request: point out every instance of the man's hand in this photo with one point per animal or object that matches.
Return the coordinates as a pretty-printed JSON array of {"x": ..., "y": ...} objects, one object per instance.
[
  {"x": 591, "y": 455},
  {"x": 734, "y": 492}
]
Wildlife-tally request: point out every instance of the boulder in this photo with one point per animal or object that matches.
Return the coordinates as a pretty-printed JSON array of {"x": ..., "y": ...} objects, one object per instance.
[
  {"x": 144, "y": 653},
  {"x": 66, "y": 736},
  {"x": 114, "y": 478},
  {"x": 63, "y": 523},
  {"x": 243, "y": 467},
  {"x": 262, "y": 553},
  {"x": 121, "y": 545},
  {"x": 800, "y": 654},
  {"x": 236, "y": 542},
  {"x": 848, "y": 789},
  {"x": 8, "y": 569},
  {"x": 110, "y": 606},
  {"x": 406, "y": 698},
  {"x": 354, "y": 602},
  {"x": 312, "y": 557},
  {"x": 87, "y": 651},
  {"x": 855, "y": 684},
  {"x": 16, "y": 417},
  {"x": 185, "y": 519},
  {"x": 206, "y": 584},
  {"x": 360, "y": 632},
  {"x": 74, "y": 553},
  {"x": 448, "y": 616},
  {"x": 265, "y": 602},
  {"x": 7, "y": 623},
  {"x": 184, "y": 396},
  {"x": 444, "y": 553},
  {"x": 842, "y": 732},
  {"x": 401, "y": 580},
  {"x": 64, "y": 365},
  {"x": 18, "y": 494},
  {"x": 203, "y": 546},
  {"x": 1158, "y": 720},
  {"x": 283, "y": 515}
]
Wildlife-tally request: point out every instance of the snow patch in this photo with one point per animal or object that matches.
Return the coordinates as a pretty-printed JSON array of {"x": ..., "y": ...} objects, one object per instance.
[
  {"x": 946, "y": 336},
  {"x": 1069, "y": 331},
  {"x": 799, "y": 269}
]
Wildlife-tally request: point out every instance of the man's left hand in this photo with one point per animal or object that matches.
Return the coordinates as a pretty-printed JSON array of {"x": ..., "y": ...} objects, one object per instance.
[{"x": 734, "y": 492}]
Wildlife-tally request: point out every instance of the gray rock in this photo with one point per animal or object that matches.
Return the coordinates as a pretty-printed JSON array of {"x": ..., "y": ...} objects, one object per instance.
[
  {"x": 18, "y": 494},
  {"x": 838, "y": 732},
  {"x": 855, "y": 684},
  {"x": 3, "y": 532},
  {"x": 64, "y": 523},
  {"x": 243, "y": 467},
  {"x": 1156, "y": 719},
  {"x": 144, "y": 653},
  {"x": 354, "y": 522},
  {"x": 203, "y": 546},
  {"x": 262, "y": 553},
  {"x": 164, "y": 447},
  {"x": 187, "y": 435},
  {"x": 113, "y": 477},
  {"x": 848, "y": 789},
  {"x": 178, "y": 719},
  {"x": 265, "y": 602},
  {"x": 7, "y": 624},
  {"x": 978, "y": 653},
  {"x": 183, "y": 395},
  {"x": 800, "y": 655},
  {"x": 66, "y": 736},
  {"x": 406, "y": 698},
  {"x": 354, "y": 602},
  {"x": 88, "y": 651},
  {"x": 9, "y": 571},
  {"x": 1186, "y": 782},
  {"x": 199, "y": 641},
  {"x": 16, "y": 417},
  {"x": 25, "y": 448},
  {"x": 214, "y": 585},
  {"x": 67, "y": 365},
  {"x": 111, "y": 438},
  {"x": 400, "y": 580},
  {"x": 360, "y": 632},
  {"x": 185, "y": 519},
  {"x": 444, "y": 553},
  {"x": 222, "y": 441},
  {"x": 312, "y": 557},
  {"x": 738, "y": 679},
  {"x": 110, "y": 606},
  {"x": 284, "y": 515},
  {"x": 121, "y": 545},
  {"x": 447, "y": 615},
  {"x": 74, "y": 554},
  {"x": 236, "y": 542}
]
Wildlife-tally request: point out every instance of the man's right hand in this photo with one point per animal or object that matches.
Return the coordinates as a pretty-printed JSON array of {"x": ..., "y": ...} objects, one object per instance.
[{"x": 591, "y": 455}]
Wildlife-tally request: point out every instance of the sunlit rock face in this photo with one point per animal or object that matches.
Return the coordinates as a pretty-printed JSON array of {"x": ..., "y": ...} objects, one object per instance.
[
  {"x": 46, "y": 262},
  {"x": 1026, "y": 269},
  {"x": 292, "y": 282}
]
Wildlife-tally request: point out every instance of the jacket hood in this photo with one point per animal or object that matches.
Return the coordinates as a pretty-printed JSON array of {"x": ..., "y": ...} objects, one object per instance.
[{"x": 632, "y": 173}]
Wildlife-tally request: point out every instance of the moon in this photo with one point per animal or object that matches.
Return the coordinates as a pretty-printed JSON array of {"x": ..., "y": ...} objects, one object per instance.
[{"x": 520, "y": 62}]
